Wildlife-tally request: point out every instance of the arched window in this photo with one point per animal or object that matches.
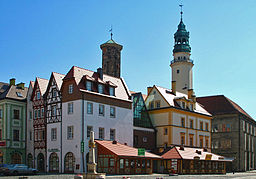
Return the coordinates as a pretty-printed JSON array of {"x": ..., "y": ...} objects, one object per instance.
[
  {"x": 69, "y": 163},
  {"x": 30, "y": 160},
  {"x": 40, "y": 162},
  {"x": 54, "y": 163},
  {"x": 16, "y": 158}
]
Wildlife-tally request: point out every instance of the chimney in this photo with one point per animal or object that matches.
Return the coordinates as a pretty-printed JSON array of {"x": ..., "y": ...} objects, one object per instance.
[
  {"x": 149, "y": 89},
  {"x": 12, "y": 81},
  {"x": 100, "y": 72},
  {"x": 174, "y": 87},
  {"x": 190, "y": 93},
  {"x": 21, "y": 85}
]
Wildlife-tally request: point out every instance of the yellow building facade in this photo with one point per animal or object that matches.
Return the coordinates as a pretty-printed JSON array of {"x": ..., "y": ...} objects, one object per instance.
[{"x": 178, "y": 119}]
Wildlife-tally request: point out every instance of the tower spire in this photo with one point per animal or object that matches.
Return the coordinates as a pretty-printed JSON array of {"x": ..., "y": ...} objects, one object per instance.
[
  {"x": 111, "y": 34},
  {"x": 181, "y": 12}
]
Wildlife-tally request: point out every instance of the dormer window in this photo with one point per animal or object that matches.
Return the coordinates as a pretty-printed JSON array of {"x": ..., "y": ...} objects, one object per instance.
[
  {"x": 89, "y": 85},
  {"x": 191, "y": 107},
  {"x": 111, "y": 91},
  {"x": 38, "y": 95},
  {"x": 183, "y": 105},
  {"x": 100, "y": 88}
]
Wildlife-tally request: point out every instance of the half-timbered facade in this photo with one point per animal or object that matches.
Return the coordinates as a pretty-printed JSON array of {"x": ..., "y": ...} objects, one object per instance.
[
  {"x": 39, "y": 123},
  {"x": 53, "y": 116}
]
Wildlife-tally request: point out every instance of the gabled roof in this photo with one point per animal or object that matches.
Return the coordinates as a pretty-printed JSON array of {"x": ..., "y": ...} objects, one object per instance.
[
  {"x": 220, "y": 104},
  {"x": 80, "y": 74},
  {"x": 190, "y": 153},
  {"x": 123, "y": 150},
  {"x": 58, "y": 78},
  {"x": 42, "y": 83},
  {"x": 171, "y": 98},
  {"x": 12, "y": 92}
]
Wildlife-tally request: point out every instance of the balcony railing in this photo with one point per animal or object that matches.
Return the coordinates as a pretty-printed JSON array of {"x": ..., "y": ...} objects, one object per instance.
[{"x": 182, "y": 60}]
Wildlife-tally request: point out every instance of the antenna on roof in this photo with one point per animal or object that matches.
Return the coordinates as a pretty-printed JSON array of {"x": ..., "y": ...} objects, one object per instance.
[{"x": 111, "y": 34}]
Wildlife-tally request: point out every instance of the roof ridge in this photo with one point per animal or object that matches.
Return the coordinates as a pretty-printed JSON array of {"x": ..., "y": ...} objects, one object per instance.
[
  {"x": 58, "y": 73},
  {"x": 233, "y": 103},
  {"x": 42, "y": 78}
]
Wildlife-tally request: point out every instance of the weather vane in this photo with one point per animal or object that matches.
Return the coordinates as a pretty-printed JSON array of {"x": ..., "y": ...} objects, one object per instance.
[
  {"x": 111, "y": 34},
  {"x": 181, "y": 12}
]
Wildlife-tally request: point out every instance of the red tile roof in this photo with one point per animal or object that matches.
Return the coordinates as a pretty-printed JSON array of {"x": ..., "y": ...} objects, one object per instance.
[
  {"x": 123, "y": 150},
  {"x": 172, "y": 154},
  {"x": 220, "y": 104},
  {"x": 189, "y": 153}
]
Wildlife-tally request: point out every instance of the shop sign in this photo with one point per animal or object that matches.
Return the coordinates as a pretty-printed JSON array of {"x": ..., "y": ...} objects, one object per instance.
[
  {"x": 141, "y": 152},
  {"x": 208, "y": 157},
  {"x": 53, "y": 150},
  {"x": 2, "y": 143}
]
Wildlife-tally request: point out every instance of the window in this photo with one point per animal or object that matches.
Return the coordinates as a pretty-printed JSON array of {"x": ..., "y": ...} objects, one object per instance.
[
  {"x": 111, "y": 91},
  {"x": 0, "y": 134},
  {"x": 206, "y": 126},
  {"x": 244, "y": 125},
  {"x": 54, "y": 134},
  {"x": 136, "y": 140},
  {"x": 191, "y": 124},
  {"x": 151, "y": 105},
  {"x": 89, "y": 129},
  {"x": 157, "y": 104},
  {"x": 215, "y": 128},
  {"x": 70, "y": 89},
  {"x": 111, "y": 162},
  {"x": 89, "y": 108},
  {"x": 54, "y": 93},
  {"x": 38, "y": 95},
  {"x": 53, "y": 110},
  {"x": 30, "y": 135},
  {"x": 16, "y": 135},
  {"x": 191, "y": 137},
  {"x": 38, "y": 113},
  {"x": 89, "y": 85},
  {"x": 201, "y": 141},
  {"x": 206, "y": 141},
  {"x": 182, "y": 138},
  {"x": 201, "y": 125},
  {"x": 183, "y": 106},
  {"x": 121, "y": 163},
  {"x": 100, "y": 88},
  {"x": 41, "y": 135},
  {"x": 112, "y": 134},
  {"x": 70, "y": 108},
  {"x": 228, "y": 127},
  {"x": 42, "y": 112},
  {"x": 70, "y": 134},
  {"x": 191, "y": 107},
  {"x": 145, "y": 139},
  {"x": 101, "y": 133},
  {"x": 101, "y": 110},
  {"x": 182, "y": 122},
  {"x": 165, "y": 131},
  {"x": 19, "y": 94},
  {"x": 178, "y": 71},
  {"x": 112, "y": 112},
  {"x": 35, "y": 113},
  {"x": 30, "y": 115},
  {"x": 1, "y": 113},
  {"x": 16, "y": 114}
]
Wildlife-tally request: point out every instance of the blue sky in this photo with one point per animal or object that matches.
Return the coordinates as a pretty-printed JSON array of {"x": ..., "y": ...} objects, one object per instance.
[{"x": 38, "y": 37}]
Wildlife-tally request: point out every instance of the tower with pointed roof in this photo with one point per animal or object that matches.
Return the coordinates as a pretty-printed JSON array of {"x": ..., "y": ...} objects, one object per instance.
[
  {"x": 182, "y": 64},
  {"x": 111, "y": 58}
]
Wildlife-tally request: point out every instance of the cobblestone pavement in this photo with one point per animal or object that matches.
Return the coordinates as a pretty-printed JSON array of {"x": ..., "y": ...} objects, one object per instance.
[{"x": 243, "y": 175}]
